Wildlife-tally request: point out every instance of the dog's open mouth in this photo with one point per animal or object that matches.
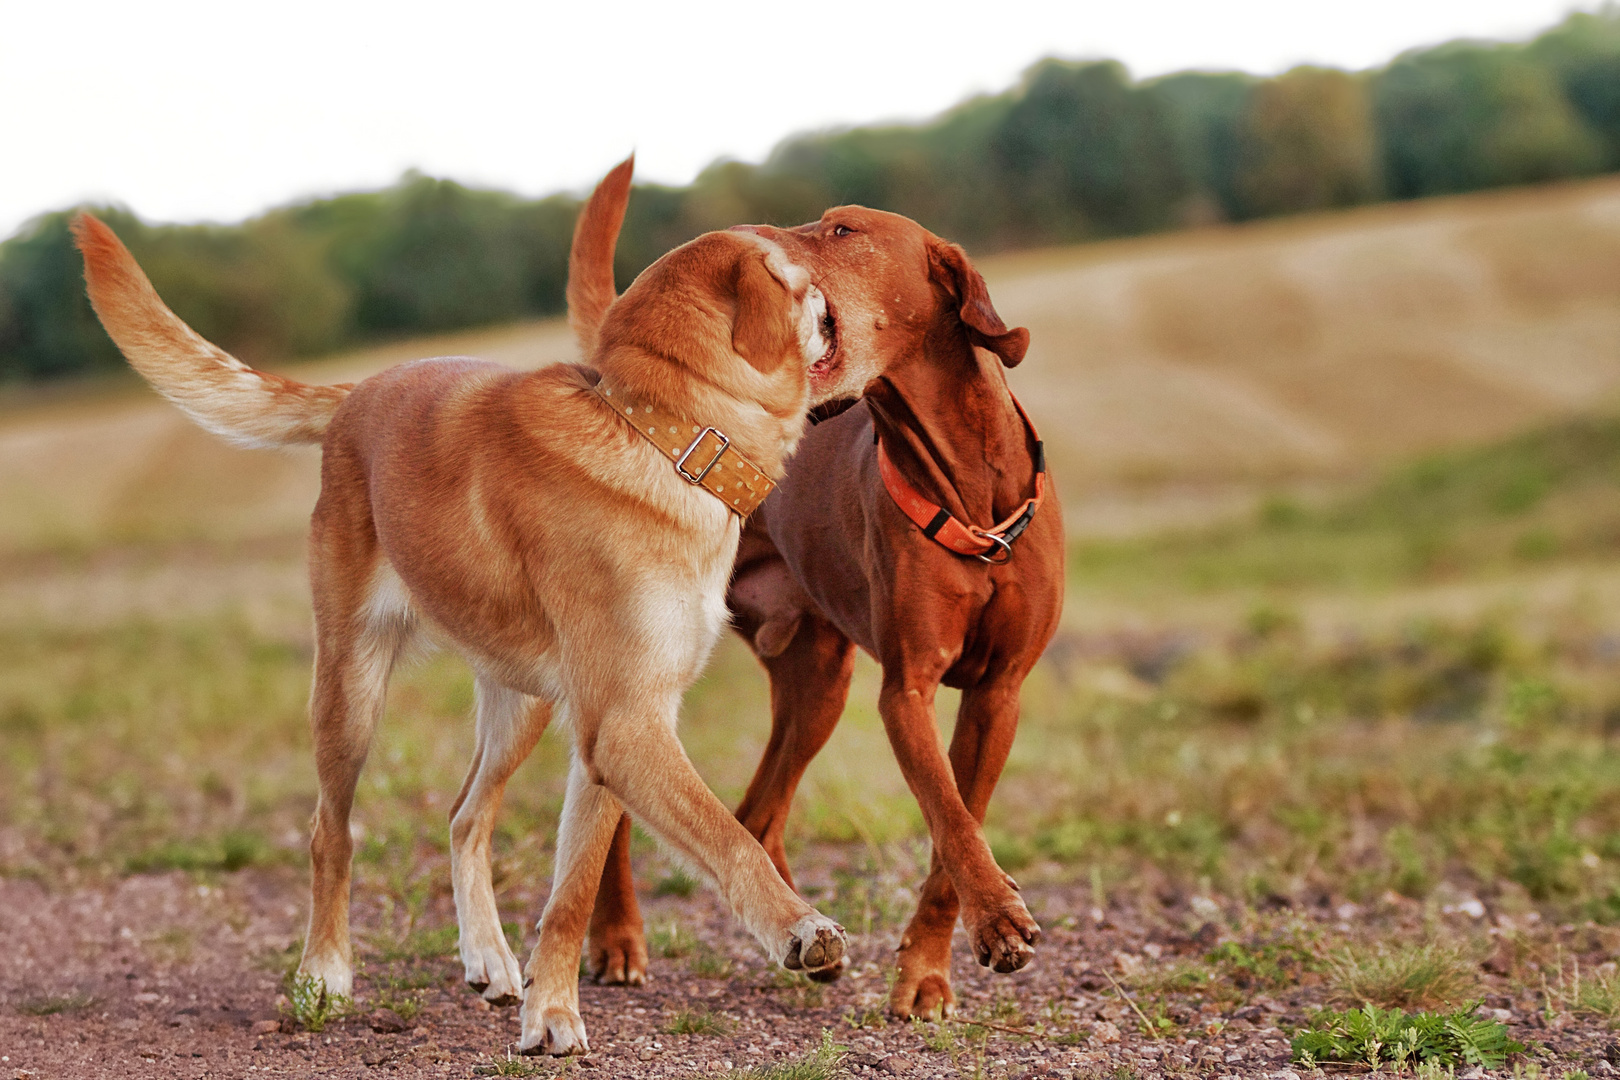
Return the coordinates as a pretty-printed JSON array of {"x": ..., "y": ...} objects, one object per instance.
[{"x": 826, "y": 333}]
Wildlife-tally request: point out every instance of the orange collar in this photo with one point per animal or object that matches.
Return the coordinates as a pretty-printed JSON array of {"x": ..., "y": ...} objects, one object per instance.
[
  {"x": 703, "y": 455},
  {"x": 992, "y": 545}
]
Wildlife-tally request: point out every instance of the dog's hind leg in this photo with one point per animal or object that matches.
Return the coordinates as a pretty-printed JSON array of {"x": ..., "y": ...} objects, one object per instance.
[
  {"x": 618, "y": 942},
  {"x": 509, "y": 724},
  {"x": 590, "y": 817},
  {"x": 361, "y": 628},
  {"x": 809, "y": 685}
]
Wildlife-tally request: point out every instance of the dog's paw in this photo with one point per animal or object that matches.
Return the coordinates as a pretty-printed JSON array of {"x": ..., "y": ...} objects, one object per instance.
[
  {"x": 922, "y": 985},
  {"x": 555, "y": 1029},
  {"x": 827, "y": 974},
  {"x": 335, "y": 974},
  {"x": 1004, "y": 937},
  {"x": 493, "y": 971},
  {"x": 619, "y": 956},
  {"x": 814, "y": 942}
]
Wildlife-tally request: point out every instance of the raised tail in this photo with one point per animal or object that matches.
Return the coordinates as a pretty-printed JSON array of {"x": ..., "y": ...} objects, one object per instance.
[
  {"x": 214, "y": 388},
  {"x": 590, "y": 259}
]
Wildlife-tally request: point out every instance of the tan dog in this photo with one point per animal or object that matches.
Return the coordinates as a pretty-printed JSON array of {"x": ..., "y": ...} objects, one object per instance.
[{"x": 519, "y": 518}]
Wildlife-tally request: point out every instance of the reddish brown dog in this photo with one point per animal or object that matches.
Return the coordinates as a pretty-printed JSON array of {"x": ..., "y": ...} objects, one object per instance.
[{"x": 830, "y": 562}]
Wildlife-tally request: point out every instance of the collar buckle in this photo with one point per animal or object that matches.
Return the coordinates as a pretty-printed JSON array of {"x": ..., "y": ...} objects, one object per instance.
[{"x": 680, "y": 464}]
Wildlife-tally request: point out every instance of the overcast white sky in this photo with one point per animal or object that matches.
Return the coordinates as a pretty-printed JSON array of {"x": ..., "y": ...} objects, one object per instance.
[{"x": 189, "y": 110}]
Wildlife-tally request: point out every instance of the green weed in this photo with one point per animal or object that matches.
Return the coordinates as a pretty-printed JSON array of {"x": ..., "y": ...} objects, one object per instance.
[
  {"x": 312, "y": 1007},
  {"x": 676, "y": 883},
  {"x": 671, "y": 941},
  {"x": 820, "y": 1064},
  {"x": 1372, "y": 1036},
  {"x": 52, "y": 1004},
  {"x": 697, "y": 1022}
]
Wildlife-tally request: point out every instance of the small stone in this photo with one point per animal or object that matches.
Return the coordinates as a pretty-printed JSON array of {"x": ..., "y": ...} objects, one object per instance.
[
  {"x": 1285, "y": 1074},
  {"x": 647, "y": 1053},
  {"x": 1105, "y": 1031},
  {"x": 147, "y": 998},
  {"x": 1602, "y": 1067},
  {"x": 478, "y": 1004},
  {"x": 266, "y": 1027},
  {"x": 896, "y": 1064},
  {"x": 1234, "y": 1056},
  {"x": 386, "y": 1022}
]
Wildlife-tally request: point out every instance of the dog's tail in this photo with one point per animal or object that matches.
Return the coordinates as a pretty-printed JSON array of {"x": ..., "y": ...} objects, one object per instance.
[
  {"x": 590, "y": 259},
  {"x": 214, "y": 388}
]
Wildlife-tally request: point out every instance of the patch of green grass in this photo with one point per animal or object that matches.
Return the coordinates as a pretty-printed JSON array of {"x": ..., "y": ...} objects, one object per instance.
[
  {"x": 1373, "y": 1037},
  {"x": 697, "y": 1022},
  {"x": 52, "y": 1004},
  {"x": 312, "y": 1007},
  {"x": 709, "y": 963},
  {"x": 406, "y": 1004},
  {"x": 872, "y": 1017},
  {"x": 672, "y": 941},
  {"x": 1403, "y": 976},
  {"x": 820, "y": 1064},
  {"x": 416, "y": 944},
  {"x": 1587, "y": 993},
  {"x": 512, "y": 1065},
  {"x": 676, "y": 883},
  {"x": 233, "y": 850}
]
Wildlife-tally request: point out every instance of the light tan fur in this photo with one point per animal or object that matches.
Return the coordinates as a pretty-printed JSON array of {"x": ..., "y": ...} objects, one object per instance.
[{"x": 518, "y": 518}]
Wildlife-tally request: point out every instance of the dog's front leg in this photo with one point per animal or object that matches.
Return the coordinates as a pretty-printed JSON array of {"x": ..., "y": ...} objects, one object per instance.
[
  {"x": 551, "y": 1020},
  {"x": 618, "y": 942},
  {"x": 644, "y": 765},
  {"x": 999, "y": 926}
]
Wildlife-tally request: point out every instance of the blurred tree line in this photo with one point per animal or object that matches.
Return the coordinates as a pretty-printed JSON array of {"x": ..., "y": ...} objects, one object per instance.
[{"x": 1074, "y": 151}]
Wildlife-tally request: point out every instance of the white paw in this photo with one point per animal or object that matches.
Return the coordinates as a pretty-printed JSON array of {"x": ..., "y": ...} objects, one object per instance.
[
  {"x": 813, "y": 943},
  {"x": 556, "y": 1030},
  {"x": 333, "y": 971},
  {"x": 493, "y": 971}
]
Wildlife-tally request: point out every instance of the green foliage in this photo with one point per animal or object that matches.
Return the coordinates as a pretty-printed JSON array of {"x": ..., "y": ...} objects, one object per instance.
[
  {"x": 697, "y": 1022},
  {"x": 676, "y": 883},
  {"x": 1073, "y": 151},
  {"x": 1371, "y": 1036},
  {"x": 820, "y": 1064},
  {"x": 1403, "y": 976},
  {"x": 312, "y": 1007},
  {"x": 52, "y": 1004}
]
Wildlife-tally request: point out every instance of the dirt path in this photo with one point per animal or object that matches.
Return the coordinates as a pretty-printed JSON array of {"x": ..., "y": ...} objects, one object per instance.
[{"x": 159, "y": 976}]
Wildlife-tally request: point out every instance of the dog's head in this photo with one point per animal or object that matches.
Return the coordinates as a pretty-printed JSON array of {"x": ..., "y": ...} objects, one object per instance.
[
  {"x": 732, "y": 309},
  {"x": 890, "y": 284}
]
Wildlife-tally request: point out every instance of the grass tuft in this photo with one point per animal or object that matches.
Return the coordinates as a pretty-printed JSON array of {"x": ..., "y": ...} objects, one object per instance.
[
  {"x": 52, "y": 1004},
  {"x": 1403, "y": 977},
  {"x": 697, "y": 1022},
  {"x": 312, "y": 1007},
  {"x": 820, "y": 1064}
]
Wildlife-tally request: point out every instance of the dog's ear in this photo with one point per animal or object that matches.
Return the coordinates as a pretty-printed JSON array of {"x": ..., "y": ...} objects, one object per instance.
[
  {"x": 948, "y": 265},
  {"x": 762, "y": 330}
]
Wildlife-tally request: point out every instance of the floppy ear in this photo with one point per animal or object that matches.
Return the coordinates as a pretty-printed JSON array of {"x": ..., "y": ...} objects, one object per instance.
[
  {"x": 762, "y": 331},
  {"x": 949, "y": 266}
]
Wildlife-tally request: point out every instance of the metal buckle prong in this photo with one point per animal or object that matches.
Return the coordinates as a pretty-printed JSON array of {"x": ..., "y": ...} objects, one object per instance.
[{"x": 680, "y": 464}]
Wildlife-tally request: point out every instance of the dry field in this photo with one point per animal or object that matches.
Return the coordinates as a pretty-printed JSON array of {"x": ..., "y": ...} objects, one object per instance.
[{"x": 1307, "y": 738}]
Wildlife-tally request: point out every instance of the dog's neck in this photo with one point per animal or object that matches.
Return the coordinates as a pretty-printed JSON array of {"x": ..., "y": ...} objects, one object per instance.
[
  {"x": 947, "y": 420},
  {"x": 765, "y": 432}
]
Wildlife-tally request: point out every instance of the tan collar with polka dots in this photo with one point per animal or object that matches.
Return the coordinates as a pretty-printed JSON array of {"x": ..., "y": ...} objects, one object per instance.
[{"x": 703, "y": 455}]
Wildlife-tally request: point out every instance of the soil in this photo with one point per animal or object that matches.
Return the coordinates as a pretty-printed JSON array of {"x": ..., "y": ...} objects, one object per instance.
[{"x": 163, "y": 976}]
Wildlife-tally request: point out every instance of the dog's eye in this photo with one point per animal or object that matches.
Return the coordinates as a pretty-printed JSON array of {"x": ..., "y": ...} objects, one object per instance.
[{"x": 842, "y": 230}]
